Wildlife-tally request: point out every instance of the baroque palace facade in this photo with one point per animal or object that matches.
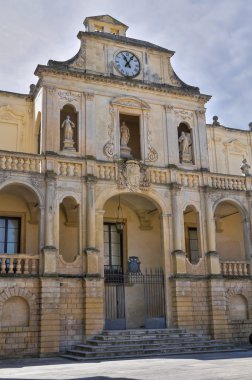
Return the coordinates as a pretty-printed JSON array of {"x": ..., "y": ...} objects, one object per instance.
[{"x": 120, "y": 208}]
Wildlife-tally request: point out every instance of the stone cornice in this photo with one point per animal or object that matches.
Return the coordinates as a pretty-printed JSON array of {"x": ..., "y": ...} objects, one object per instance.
[
  {"x": 16, "y": 94},
  {"x": 162, "y": 88}
]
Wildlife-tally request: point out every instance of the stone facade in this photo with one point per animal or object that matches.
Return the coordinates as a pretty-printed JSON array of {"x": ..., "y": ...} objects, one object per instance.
[{"x": 69, "y": 179}]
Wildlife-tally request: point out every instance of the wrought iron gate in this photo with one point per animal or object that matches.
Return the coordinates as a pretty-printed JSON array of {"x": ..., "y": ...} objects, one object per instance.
[{"x": 154, "y": 299}]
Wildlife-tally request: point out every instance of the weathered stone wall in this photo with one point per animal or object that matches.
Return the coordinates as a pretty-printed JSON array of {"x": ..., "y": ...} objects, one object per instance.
[
  {"x": 217, "y": 307},
  {"x": 17, "y": 337},
  {"x": 71, "y": 312}
]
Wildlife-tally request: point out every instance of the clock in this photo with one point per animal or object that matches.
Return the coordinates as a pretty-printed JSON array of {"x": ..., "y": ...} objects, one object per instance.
[{"x": 127, "y": 64}]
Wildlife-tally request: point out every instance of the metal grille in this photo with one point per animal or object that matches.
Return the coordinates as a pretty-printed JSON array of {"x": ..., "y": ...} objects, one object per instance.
[{"x": 115, "y": 283}]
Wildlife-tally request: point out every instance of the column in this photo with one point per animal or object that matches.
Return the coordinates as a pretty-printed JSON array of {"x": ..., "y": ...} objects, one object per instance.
[
  {"x": 179, "y": 261},
  {"x": 49, "y": 316},
  {"x": 165, "y": 226},
  {"x": 171, "y": 133},
  {"x": 213, "y": 259},
  {"x": 91, "y": 251},
  {"x": 90, "y": 126},
  {"x": 49, "y": 251}
]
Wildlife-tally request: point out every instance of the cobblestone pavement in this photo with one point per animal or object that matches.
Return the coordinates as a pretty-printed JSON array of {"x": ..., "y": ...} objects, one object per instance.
[{"x": 232, "y": 365}]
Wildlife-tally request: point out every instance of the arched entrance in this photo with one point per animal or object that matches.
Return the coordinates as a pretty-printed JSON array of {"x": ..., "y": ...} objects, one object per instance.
[
  {"x": 19, "y": 229},
  {"x": 133, "y": 263},
  {"x": 229, "y": 232}
]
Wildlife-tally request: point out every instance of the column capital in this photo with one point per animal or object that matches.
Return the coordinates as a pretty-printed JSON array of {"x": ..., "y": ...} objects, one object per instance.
[{"x": 168, "y": 108}]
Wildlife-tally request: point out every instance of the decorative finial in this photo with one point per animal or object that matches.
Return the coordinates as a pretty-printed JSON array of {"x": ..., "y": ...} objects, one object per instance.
[{"x": 215, "y": 121}]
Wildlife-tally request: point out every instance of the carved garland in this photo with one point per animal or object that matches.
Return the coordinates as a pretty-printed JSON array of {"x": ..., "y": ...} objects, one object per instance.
[{"x": 109, "y": 147}]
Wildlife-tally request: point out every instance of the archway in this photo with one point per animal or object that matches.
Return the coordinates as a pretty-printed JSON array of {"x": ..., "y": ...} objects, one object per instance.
[
  {"x": 133, "y": 262},
  {"x": 229, "y": 232},
  {"x": 19, "y": 228},
  {"x": 69, "y": 229}
]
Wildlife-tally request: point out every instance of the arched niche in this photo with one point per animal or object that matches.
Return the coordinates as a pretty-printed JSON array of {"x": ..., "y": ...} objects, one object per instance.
[
  {"x": 229, "y": 232},
  {"x": 185, "y": 144},
  {"x": 15, "y": 312},
  {"x": 238, "y": 308},
  {"x": 69, "y": 229},
  {"x": 192, "y": 234},
  {"x": 69, "y": 133}
]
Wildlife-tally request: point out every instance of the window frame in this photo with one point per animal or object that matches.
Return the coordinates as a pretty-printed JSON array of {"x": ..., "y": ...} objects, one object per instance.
[
  {"x": 111, "y": 265},
  {"x": 7, "y": 218}
]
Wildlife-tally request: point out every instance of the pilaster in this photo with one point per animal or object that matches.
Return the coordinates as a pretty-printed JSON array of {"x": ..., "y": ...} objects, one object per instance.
[{"x": 49, "y": 316}]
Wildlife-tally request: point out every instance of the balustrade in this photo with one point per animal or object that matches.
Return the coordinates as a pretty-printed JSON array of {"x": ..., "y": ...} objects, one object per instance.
[
  {"x": 106, "y": 171},
  {"x": 227, "y": 183},
  {"x": 235, "y": 268},
  {"x": 19, "y": 264},
  {"x": 21, "y": 162},
  {"x": 69, "y": 169}
]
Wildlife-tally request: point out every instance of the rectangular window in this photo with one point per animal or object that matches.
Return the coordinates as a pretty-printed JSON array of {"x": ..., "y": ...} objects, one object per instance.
[
  {"x": 193, "y": 244},
  {"x": 10, "y": 235},
  {"x": 112, "y": 247}
]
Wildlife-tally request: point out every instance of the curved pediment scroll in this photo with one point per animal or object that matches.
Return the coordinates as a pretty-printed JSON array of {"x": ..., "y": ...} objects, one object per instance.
[{"x": 130, "y": 102}]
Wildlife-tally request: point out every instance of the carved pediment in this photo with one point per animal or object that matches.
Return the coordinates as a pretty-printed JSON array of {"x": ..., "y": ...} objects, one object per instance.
[
  {"x": 130, "y": 102},
  {"x": 8, "y": 113},
  {"x": 234, "y": 145}
]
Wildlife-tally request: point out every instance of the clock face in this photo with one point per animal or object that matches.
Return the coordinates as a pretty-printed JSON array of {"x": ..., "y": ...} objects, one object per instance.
[{"x": 127, "y": 64}]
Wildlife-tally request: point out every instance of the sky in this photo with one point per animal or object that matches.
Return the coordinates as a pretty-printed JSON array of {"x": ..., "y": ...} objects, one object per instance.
[{"x": 212, "y": 40}]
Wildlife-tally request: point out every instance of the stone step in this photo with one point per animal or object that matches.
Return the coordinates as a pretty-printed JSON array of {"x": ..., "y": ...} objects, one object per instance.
[
  {"x": 145, "y": 340},
  {"x": 145, "y": 355},
  {"x": 143, "y": 346},
  {"x": 145, "y": 343},
  {"x": 149, "y": 351}
]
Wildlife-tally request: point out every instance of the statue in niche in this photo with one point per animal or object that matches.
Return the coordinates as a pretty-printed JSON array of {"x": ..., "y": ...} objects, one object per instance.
[
  {"x": 245, "y": 167},
  {"x": 68, "y": 126},
  {"x": 185, "y": 147},
  {"x": 125, "y": 134},
  {"x": 125, "y": 151}
]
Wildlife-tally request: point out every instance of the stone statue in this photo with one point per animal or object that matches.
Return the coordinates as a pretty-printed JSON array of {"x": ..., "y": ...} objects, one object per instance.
[
  {"x": 185, "y": 150},
  {"x": 245, "y": 167},
  {"x": 125, "y": 134},
  {"x": 68, "y": 125}
]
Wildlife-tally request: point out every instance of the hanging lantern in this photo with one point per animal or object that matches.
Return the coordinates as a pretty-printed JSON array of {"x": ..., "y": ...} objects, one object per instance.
[{"x": 119, "y": 219}]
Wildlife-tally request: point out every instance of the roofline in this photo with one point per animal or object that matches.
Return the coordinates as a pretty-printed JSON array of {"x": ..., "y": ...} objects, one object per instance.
[
  {"x": 193, "y": 92},
  {"x": 28, "y": 96},
  {"x": 229, "y": 128},
  {"x": 126, "y": 40},
  {"x": 97, "y": 18}
]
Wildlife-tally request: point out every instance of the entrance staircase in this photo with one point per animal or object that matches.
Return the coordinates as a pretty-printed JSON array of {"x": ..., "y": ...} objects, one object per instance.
[{"x": 125, "y": 344}]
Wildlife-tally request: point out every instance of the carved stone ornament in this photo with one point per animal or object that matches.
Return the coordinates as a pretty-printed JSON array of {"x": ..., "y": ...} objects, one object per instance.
[
  {"x": 80, "y": 62},
  {"x": 152, "y": 153},
  {"x": 173, "y": 78},
  {"x": 133, "y": 175},
  {"x": 109, "y": 147},
  {"x": 69, "y": 96},
  {"x": 184, "y": 115},
  {"x": 3, "y": 176}
]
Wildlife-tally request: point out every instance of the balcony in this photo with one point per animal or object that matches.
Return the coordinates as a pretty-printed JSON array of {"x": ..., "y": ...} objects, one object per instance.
[{"x": 19, "y": 264}]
